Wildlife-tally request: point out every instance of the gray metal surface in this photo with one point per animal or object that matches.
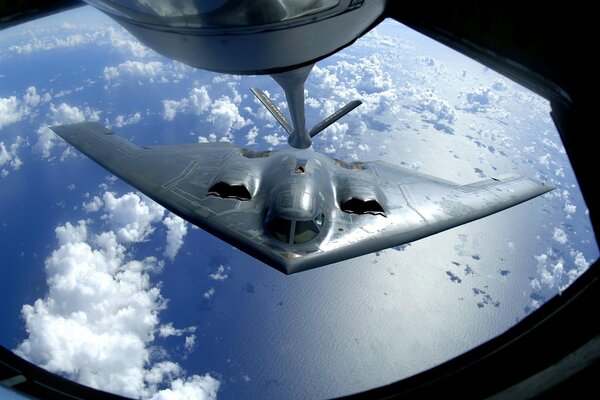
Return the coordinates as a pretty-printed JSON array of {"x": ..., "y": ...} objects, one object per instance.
[
  {"x": 245, "y": 37},
  {"x": 248, "y": 198}
]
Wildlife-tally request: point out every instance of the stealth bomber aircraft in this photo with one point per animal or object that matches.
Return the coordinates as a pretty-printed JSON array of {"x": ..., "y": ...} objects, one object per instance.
[{"x": 296, "y": 209}]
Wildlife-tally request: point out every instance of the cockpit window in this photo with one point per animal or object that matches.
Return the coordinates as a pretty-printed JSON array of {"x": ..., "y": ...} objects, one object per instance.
[
  {"x": 280, "y": 229},
  {"x": 305, "y": 231},
  {"x": 300, "y": 231}
]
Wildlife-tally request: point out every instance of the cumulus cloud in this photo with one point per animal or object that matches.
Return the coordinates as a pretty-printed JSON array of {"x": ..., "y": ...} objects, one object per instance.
[
  {"x": 570, "y": 208},
  {"x": 482, "y": 98},
  {"x": 432, "y": 108},
  {"x": 190, "y": 342},
  {"x": 10, "y": 111},
  {"x": 560, "y": 236},
  {"x": 171, "y": 107},
  {"x": 554, "y": 272},
  {"x": 94, "y": 205},
  {"x": 426, "y": 60},
  {"x": 544, "y": 160},
  {"x": 197, "y": 102},
  {"x": 98, "y": 321},
  {"x": 130, "y": 216},
  {"x": 367, "y": 78},
  {"x": 220, "y": 274},
  {"x": 123, "y": 120},
  {"x": 195, "y": 387},
  {"x": 209, "y": 293},
  {"x": 251, "y": 136},
  {"x": 176, "y": 231},
  {"x": 123, "y": 41},
  {"x": 225, "y": 116},
  {"x": 61, "y": 114},
  {"x": 550, "y": 273},
  {"x": 274, "y": 139},
  {"x": 31, "y": 97},
  {"x": 499, "y": 85},
  {"x": 9, "y": 156},
  {"x": 47, "y": 44},
  {"x": 136, "y": 70},
  {"x": 169, "y": 330},
  {"x": 223, "y": 113},
  {"x": 579, "y": 260}
]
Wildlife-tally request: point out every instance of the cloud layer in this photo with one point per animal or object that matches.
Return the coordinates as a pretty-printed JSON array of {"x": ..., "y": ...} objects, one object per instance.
[{"x": 100, "y": 317}]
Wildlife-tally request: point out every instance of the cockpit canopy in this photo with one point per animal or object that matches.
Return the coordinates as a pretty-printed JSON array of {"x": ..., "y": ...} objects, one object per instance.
[{"x": 292, "y": 231}]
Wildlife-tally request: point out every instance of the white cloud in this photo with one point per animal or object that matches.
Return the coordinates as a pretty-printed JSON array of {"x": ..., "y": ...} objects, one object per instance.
[
  {"x": 544, "y": 160},
  {"x": 122, "y": 40},
  {"x": 209, "y": 293},
  {"x": 367, "y": 79},
  {"x": 68, "y": 41},
  {"x": 220, "y": 274},
  {"x": 9, "y": 156},
  {"x": 171, "y": 107},
  {"x": 198, "y": 102},
  {"x": 94, "y": 205},
  {"x": 10, "y": 112},
  {"x": 176, "y": 231},
  {"x": 553, "y": 272},
  {"x": 479, "y": 99},
  {"x": 225, "y": 116},
  {"x": 426, "y": 60},
  {"x": 66, "y": 114},
  {"x": 123, "y": 120},
  {"x": 570, "y": 208},
  {"x": 312, "y": 102},
  {"x": 98, "y": 321},
  {"x": 61, "y": 114},
  {"x": 190, "y": 342},
  {"x": 195, "y": 387},
  {"x": 560, "y": 236},
  {"x": 251, "y": 136},
  {"x": 274, "y": 139},
  {"x": 579, "y": 260},
  {"x": 130, "y": 216},
  {"x": 31, "y": 98},
  {"x": 549, "y": 274},
  {"x": 169, "y": 330},
  {"x": 222, "y": 113},
  {"x": 499, "y": 85},
  {"x": 428, "y": 103},
  {"x": 135, "y": 70}
]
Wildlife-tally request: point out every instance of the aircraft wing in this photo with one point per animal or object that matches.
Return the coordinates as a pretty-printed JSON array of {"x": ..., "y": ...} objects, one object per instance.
[
  {"x": 179, "y": 177},
  {"x": 387, "y": 205}
]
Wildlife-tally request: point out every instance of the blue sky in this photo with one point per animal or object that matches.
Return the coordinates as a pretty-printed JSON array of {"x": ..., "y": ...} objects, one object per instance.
[{"x": 107, "y": 288}]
